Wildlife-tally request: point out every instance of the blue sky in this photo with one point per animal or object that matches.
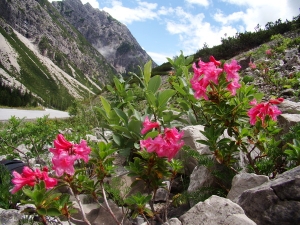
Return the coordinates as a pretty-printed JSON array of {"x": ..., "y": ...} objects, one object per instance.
[{"x": 166, "y": 27}]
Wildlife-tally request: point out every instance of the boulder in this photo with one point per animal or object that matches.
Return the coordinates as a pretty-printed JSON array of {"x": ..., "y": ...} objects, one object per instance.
[
  {"x": 216, "y": 210},
  {"x": 285, "y": 121},
  {"x": 244, "y": 181},
  {"x": 275, "y": 202}
]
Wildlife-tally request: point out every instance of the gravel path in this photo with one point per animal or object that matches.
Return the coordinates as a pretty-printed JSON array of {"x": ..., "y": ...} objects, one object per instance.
[{"x": 5, "y": 114}]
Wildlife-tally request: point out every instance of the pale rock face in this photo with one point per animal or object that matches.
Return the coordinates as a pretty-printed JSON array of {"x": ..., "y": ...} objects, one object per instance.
[{"x": 216, "y": 210}]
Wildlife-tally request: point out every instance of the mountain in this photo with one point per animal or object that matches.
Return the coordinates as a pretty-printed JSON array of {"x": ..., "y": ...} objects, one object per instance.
[
  {"x": 52, "y": 52},
  {"x": 110, "y": 37}
]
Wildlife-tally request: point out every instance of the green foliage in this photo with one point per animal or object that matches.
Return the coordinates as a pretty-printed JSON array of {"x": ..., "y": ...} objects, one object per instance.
[
  {"x": 137, "y": 203},
  {"x": 294, "y": 152},
  {"x": 47, "y": 202},
  {"x": 7, "y": 200}
]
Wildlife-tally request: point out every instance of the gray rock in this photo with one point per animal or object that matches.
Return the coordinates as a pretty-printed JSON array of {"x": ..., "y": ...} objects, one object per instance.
[
  {"x": 201, "y": 177},
  {"x": 290, "y": 107},
  {"x": 10, "y": 217},
  {"x": 216, "y": 210},
  {"x": 244, "y": 181},
  {"x": 173, "y": 221},
  {"x": 275, "y": 202},
  {"x": 285, "y": 121}
]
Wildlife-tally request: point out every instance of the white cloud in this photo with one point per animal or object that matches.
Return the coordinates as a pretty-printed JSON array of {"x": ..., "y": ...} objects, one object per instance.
[
  {"x": 159, "y": 58},
  {"x": 93, "y": 3},
  {"x": 142, "y": 12},
  {"x": 198, "y": 2},
  {"x": 259, "y": 12},
  {"x": 227, "y": 19}
]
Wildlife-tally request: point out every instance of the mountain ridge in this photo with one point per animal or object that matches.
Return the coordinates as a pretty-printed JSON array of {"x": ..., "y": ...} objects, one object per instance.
[{"x": 82, "y": 69}]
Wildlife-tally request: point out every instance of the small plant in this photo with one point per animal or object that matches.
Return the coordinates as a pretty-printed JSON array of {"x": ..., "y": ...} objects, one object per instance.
[{"x": 7, "y": 200}]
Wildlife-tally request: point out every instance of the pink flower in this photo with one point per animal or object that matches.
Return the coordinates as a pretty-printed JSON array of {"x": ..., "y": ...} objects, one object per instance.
[
  {"x": 231, "y": 70},
  {"x": 203, "y": 76},
  {"x": 164, "y": 145},
  {"x": 65, "y": 154},
  {"x": 269, "y": 52},
  {"x": 262, "y": 110},
  {"x": 30, "y": 177},
  {"x": 63, "y": 163},
  {"x": 232, "y": 76},
  {"x": 212, "y": 59},
  {"x": 233, "y": 86},
  {"x": 82, "y": 151},
  {"x": 148, "y": 125},
  {"x": 200, "y": 88},
  {"x": 252, "y": 65}
]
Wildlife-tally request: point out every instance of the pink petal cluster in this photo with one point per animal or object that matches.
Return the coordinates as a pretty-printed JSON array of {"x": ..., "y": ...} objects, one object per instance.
[
  {"x": 252, "y": 65},
  {"x": 166, "y": 144},
  {"x": 207, "y": 73},
  {"x": 30, "y": 177},
  {"x": 264, "y": 109},
  {"x": 148, "y": 125},
  {"x": 66, "y": 153},
  {"x": 269, "y": 52},
  {"x": 232, "y": 76}
]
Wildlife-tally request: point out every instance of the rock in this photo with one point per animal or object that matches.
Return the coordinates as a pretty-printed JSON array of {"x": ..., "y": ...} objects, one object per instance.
[
  {"x": 201, "y": 177},
  {"x": 285, "y": 121},
  {"x": 275, "y": 202},
  {"x": 173, "y": 221},
  {"x": 290, "y": 107},
  {"x": 216, "y": 210},
  {"x": 190, "y": 137},
  {"x": 100, "y": 216},
  {"x": 244, "y": 181},
  {"x": 10, "y": 217}
]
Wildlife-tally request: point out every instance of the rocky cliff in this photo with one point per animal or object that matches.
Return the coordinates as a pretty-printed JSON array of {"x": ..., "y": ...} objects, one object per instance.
[
  {"x": 110, "y": 37},
  {"x": 63, "y": 50}
]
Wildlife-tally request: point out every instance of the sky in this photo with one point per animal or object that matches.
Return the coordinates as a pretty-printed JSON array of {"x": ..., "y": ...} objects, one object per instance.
[{"x": 164, "y": 28}]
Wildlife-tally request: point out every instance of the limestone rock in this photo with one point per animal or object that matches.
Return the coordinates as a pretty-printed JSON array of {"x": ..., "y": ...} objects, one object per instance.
[
  {"x": 244, "y": 181},
  {"x": 275, "y": 202},
  {"x": 216, "y": 210}
]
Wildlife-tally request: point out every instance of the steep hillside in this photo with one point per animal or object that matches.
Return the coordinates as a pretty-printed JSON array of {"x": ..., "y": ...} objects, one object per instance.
[
  {"x": 110, "y": 37},
  {"x": 44, "y": 54}
]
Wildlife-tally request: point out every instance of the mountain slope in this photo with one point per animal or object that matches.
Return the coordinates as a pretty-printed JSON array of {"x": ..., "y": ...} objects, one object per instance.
[
  {"x": 42, "y": 53},
  {"x": 110, "y": 37}
]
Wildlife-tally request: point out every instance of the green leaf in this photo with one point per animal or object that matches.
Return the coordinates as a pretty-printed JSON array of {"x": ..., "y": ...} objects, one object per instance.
[
  {"x": 154, "y": 84},
  {"x": 118, "y": 84},
  {"x": 147, "y": 72},
  {"x": 42, "y": 211},
  {"x": 53, "y": 212},
  {"x": 151, "y": 98},
  {"x": 122, "y": 115},
  {"x": 117, "y": 139},
  {"x": 151, "y": 134},
  {"x": 105, "y": 104},
  {"x": 164, "y": 96},
  {"x": 135, "y": 126},
  {"x": 179, "y": 89}
]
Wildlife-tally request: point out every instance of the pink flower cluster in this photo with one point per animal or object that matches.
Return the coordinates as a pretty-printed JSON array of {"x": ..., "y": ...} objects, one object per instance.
[
  {"x": 65, "y": 154},
  {"x": 252, "y": 65},
  {"x": 148, "y": 125},
  {"x": 164, "y": 145},
  {"x": 30, "y": 177},
  {"x": 207, "y": 73},
  {"x": 269, "y": 52},
  {"x": 264, "y": 109}
]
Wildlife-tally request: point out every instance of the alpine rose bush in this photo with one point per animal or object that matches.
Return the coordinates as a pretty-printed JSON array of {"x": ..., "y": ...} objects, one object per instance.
[{"x": 30, "y": 178}]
